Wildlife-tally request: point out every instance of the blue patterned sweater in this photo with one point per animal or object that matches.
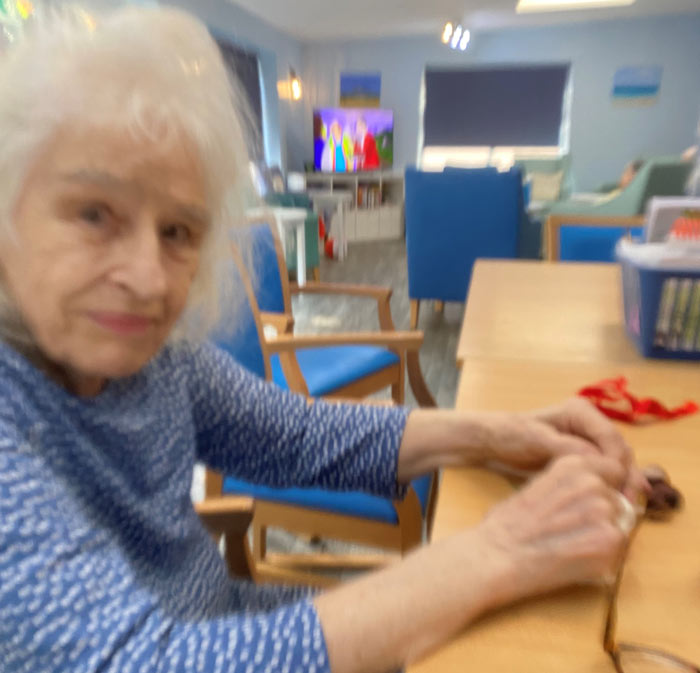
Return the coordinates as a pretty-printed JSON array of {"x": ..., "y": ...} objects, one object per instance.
[{"x": 104, "y": 565}]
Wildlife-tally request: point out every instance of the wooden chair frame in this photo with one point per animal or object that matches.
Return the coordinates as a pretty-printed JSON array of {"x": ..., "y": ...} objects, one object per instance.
[
  {"x": 555, "y": 222},
  {"x": 314, "y": 523},
  {"x": 230, "y": 518},
  {"x": 405, "y": 344}
]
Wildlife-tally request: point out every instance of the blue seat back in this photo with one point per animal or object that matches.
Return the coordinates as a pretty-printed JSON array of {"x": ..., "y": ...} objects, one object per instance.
[
  {"x": 263, "y": 267},
  {"x": 452, "y": 219},
  {"x": 239, "y": 335},
  {"x": 591, "y": 244}
]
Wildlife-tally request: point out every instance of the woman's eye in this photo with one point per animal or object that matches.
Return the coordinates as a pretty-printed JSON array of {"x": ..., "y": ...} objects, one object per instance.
[
  {"x": 178, "y": 233},
  {"x": 94, "y": 213}
]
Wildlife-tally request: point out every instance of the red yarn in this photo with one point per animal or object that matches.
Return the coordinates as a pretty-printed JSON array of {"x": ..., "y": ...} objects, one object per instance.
[{"x": 613, "y": 399}]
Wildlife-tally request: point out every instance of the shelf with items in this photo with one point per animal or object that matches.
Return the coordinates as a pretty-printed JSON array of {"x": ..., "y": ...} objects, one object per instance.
[{"x": 376, "y": 209}]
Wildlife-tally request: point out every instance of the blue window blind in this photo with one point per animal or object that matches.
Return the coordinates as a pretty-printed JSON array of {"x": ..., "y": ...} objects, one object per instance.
[
  {"x": 244, "y": 68},
  {"x": 494, "y": 106}
]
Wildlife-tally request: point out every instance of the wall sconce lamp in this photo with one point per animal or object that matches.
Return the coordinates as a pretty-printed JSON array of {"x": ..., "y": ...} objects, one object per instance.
[{"x": 294, "y": 85}]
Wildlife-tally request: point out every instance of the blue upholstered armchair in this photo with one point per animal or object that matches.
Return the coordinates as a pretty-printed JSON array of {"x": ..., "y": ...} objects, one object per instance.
[
  {"x": 350, "y": 516},
  {"x": 452, "y": 219}
]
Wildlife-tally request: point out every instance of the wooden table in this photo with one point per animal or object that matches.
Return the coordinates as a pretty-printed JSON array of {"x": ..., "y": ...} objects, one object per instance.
[
  {"x": 659, "y": 603},
  {"x": 544, "y": 311}
]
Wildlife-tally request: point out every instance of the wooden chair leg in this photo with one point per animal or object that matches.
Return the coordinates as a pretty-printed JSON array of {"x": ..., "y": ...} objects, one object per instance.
[
  {"x": 316, "y": 271},
  {"x": 415, "y": 309},
  {"x": 230, "y": 517},
  {"x": 398, "y": 389},
  {"x": 213, "y": 484},
  {"x": 259, "y": 543},
  {"x": 439, "y": 307},
  {"x": 238, "y": 554},
  {"x": 410, "y": 521},
  {"x": 418, "y": 385}
]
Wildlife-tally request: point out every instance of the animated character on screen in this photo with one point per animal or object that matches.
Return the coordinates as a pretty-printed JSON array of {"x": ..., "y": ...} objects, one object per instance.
[
  {"x": 365, "y": 148},
  {"x": 320, "y": 138},
  {"x": 338, "y": 152}
]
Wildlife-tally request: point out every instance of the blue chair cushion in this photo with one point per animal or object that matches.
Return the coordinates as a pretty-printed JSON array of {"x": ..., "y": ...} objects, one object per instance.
[
  {"x": 351, "y": 503},
  {"x": 591, "y": 244},
  {"x": 330, "y": 368}
]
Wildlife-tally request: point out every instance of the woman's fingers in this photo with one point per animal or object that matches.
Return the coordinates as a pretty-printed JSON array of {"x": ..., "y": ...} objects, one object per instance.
[
  {"x": 570, "y": 525},
  {"x": 579, "y": 419},
  {"x": 589, "y": 468}
]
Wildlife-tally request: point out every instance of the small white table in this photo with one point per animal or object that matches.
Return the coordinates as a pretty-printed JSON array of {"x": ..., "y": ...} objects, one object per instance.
[
  {"x": 335, "y": 202},
  {"x": 285, "y": 219}
]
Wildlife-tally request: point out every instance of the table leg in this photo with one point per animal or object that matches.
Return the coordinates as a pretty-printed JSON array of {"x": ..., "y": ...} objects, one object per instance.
[
  {"x": 301, "y": 253},
  {"x": 342, "y": 238}
]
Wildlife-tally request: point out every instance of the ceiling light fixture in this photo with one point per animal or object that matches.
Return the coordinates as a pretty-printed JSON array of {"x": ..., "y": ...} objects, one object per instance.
[
  {"x": 564, "y": 5},
  {"x": 447, "y": 32},
  {"x": 455, "y": 36}
]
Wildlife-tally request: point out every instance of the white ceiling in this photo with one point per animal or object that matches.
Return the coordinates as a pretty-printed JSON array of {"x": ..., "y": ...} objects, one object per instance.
[{"x": 347, "y": 19}]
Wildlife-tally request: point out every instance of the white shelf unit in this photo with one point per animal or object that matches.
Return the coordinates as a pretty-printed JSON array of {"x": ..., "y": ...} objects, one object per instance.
[{"x": 377, "y": 209}]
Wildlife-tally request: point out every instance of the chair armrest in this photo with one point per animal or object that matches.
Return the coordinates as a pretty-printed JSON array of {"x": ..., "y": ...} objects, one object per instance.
[
  {"x": 408, "y": 343},
  {"x": 381, "y": 294},
  {"x": 230, "y": 516},
  {"x": 405, "y": 341},
  {"x": 313, "y": 287},
  {"x": 282, "y": 322},
  {"x": 598, "y": 220},
  {"x": 555, "y": 222},
  {"x": 366, "y": 401},
  {"x": 212, "y": 508}
]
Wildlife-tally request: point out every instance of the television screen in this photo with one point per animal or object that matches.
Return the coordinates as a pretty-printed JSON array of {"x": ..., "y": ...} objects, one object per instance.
[{"x": 348, "y": 140}]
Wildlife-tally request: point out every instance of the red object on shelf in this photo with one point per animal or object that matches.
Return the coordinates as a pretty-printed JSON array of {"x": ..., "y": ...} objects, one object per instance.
[{"x": 613, "y": 399}]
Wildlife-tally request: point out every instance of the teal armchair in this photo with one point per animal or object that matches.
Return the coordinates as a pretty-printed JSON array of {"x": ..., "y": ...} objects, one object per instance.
[
  {"x": 663, "y": 176},
  {"x": 293, "y": 200},
  {"x": 584, "y": 231}
]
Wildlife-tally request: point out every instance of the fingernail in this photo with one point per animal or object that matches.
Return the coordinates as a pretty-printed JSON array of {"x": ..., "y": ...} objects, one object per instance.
[{"x": 627, "y": 517}]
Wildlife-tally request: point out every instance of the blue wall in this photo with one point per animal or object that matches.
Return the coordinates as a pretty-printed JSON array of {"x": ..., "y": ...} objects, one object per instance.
[
  {"x": 604, "y": 135},
  {"x": 283, "y": 119}
]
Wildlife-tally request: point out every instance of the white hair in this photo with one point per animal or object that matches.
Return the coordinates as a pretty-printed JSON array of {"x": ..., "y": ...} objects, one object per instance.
[{"x": 155, "y": 72}]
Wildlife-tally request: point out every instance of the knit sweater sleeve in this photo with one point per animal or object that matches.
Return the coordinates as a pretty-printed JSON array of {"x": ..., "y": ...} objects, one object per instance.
[
  {"x": 71, "y": 601},
  {"x": 255, "y": 431}
]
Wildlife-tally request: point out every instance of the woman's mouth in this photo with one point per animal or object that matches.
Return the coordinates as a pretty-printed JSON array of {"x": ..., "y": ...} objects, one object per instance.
[{"x": 125, "y": 324}]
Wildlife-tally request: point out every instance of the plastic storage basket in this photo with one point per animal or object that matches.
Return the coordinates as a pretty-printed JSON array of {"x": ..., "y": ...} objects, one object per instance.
[{"x": 662, "y": 310}]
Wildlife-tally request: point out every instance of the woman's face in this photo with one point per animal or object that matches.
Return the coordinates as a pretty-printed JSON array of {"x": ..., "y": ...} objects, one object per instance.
[{"x": 108, "y": 237}]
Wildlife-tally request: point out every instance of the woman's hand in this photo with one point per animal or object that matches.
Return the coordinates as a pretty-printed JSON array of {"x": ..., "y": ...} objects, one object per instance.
[
  {"x": 561, "y": 529},
  {"x": 440, "y": 438},
  {"x": 530, "y": 441},
  {"x": 569, "y": 526}
]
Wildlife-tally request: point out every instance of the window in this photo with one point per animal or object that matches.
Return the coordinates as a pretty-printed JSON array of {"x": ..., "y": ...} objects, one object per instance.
[
  {"x": 244, "y": 68},
  {"x": 494, "y": 114}
]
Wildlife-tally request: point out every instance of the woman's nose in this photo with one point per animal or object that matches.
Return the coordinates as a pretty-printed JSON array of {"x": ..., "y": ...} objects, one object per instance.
[{"x": 141, "y": 267}]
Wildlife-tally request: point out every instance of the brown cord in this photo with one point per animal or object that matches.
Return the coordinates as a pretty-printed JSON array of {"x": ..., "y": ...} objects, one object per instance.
[{"x": 664, "y": 498}]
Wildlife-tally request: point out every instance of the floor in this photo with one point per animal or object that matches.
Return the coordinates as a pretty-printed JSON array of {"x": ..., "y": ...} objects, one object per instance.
[{"x": 384, "y": 263}]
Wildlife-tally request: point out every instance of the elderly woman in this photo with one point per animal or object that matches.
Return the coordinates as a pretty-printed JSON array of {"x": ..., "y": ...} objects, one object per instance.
[{"x": 120, "y": 171}]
